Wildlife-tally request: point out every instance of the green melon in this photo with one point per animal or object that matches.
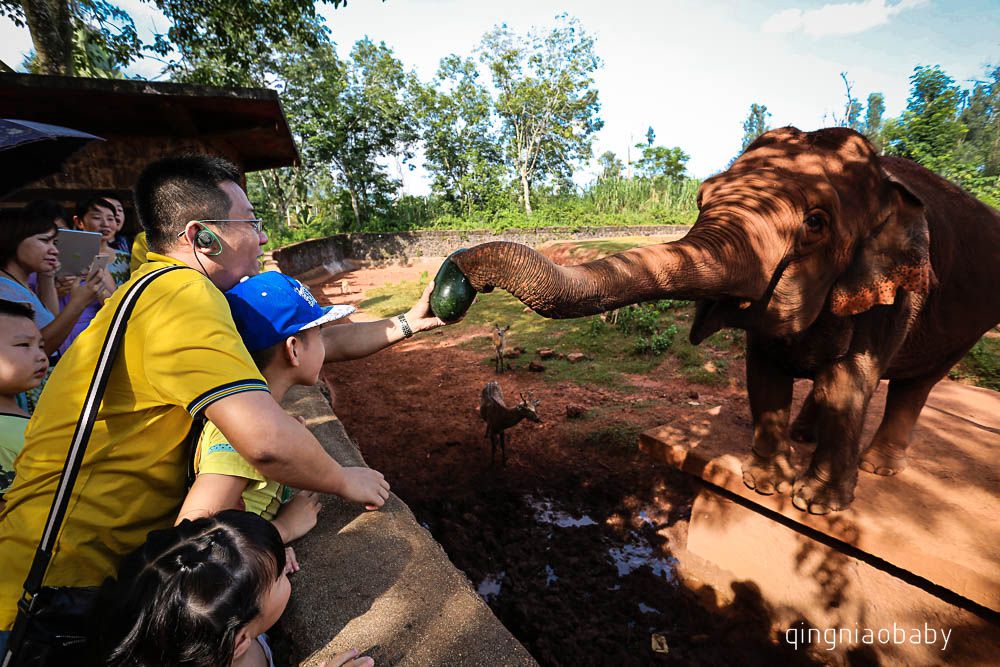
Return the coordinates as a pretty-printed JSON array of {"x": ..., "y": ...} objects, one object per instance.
[{"x": 453, "y": 293}]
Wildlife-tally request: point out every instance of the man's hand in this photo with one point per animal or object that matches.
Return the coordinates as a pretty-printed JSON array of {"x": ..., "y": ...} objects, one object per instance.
[
  {"x": 298, "y": 516},
  {"x": 420, "y": 316},
  {"x": 364, "y": 485}
]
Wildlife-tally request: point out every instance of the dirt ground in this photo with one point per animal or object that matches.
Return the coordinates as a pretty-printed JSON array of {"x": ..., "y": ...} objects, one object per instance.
[{"x": 569, "y": 542}]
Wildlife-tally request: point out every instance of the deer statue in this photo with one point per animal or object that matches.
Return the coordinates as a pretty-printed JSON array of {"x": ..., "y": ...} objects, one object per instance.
[
  {"x": 500, "y": 346},
  {"x": 499, "y": 417}
]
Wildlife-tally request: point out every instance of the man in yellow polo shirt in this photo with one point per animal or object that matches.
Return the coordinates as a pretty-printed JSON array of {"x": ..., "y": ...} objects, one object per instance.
[
  {"x": 139, "y": 252},
  {"x": 182, "y": 357}
]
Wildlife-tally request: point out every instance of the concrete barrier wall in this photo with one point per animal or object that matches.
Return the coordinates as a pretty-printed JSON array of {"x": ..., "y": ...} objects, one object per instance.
[
  {"x": 378, "y": 582},
  {"x": 399, "y": 247}
]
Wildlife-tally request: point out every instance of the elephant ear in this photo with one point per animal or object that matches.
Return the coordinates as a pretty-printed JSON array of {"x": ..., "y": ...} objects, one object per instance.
[{"x": 895, "y": 255}]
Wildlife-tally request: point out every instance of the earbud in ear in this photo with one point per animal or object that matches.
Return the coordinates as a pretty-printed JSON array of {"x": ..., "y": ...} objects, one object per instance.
[{"x": 206, "y": 239}]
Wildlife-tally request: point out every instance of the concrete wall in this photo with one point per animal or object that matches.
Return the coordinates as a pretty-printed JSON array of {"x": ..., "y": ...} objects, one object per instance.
[
  {"x": 378, "y": 582},
  {"x": 399, "y": 247}
]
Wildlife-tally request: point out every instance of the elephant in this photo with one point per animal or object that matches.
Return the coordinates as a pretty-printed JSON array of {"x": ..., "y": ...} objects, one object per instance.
[{"x": 842, "y": 265}]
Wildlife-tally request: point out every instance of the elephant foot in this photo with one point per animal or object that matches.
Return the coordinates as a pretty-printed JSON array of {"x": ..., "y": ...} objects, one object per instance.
[
  {"x": 816, "y": 496},
  {"x": 883, "y": 460},
  {"x": 765, "y": 475}
]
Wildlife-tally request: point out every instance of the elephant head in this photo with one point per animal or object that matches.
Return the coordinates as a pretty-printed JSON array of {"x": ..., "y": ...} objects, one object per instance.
[{"x": 801, "y": 221}]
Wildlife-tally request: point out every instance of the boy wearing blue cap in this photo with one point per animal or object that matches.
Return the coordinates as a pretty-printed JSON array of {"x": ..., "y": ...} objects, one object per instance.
[{"x": 279, "y": 321}]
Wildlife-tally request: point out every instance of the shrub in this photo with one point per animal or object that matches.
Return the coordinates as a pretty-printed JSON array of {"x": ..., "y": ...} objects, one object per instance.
[
  {"x": 656, "y": 344},
  {"x": 642, "y": 319}
]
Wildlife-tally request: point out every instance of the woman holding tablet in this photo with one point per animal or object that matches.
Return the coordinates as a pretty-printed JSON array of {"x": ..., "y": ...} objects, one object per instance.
[{"x": 27, "y": 245}]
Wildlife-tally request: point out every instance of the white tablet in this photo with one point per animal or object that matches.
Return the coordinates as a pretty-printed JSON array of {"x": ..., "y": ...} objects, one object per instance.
[{"x": 77, "y": 250}]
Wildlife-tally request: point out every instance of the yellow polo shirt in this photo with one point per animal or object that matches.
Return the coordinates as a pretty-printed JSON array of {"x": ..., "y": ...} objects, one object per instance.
[
  {"x": 181, "y": 353},
  {"x": 140, "y": 250}
]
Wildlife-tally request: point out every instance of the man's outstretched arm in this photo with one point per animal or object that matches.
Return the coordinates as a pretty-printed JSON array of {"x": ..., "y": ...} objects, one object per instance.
[{"x": 284, "y": 450}]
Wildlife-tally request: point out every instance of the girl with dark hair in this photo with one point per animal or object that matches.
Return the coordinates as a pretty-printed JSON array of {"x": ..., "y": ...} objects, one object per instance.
[
  {"x": 200, "y": 594},
  {"x": 27, "y": 245}
]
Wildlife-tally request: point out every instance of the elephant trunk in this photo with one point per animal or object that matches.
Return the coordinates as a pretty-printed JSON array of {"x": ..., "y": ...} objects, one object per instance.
[{"x": 695, "y": 267}]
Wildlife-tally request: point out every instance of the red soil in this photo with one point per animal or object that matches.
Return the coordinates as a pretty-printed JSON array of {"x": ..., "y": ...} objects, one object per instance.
[{"x": 413, "y": 409}]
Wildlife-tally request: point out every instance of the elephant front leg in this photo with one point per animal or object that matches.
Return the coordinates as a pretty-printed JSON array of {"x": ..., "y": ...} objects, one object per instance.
[
  {"x": 841, "y": 394},
  {"x": 803, "y": 428},
  {"x": 767, "y": 468},
  {"x": 886, "y": 455}
]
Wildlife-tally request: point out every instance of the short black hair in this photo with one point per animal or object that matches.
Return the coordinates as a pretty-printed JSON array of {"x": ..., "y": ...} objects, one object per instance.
[
  {"x": 175, "y": 190},
  {"x": 85, "y": 205},
  {"x": 109, "y": 195},
  {"x": 15, "y": 226},
  {"x": 46, "y": 210},
  {"x": 17, "y": 309},
  {"x": 264, "y": 357}
]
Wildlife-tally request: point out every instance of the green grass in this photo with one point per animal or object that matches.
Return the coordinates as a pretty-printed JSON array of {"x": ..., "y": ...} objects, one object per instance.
[
  {"x": 643, "y": 339},
  {"x": 981, "y": 366}
]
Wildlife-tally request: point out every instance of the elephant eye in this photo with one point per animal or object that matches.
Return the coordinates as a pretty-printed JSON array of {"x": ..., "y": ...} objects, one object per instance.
[{"x": 814, "y": 222}]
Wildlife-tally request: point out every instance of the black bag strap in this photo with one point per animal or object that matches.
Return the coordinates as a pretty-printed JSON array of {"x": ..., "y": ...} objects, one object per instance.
[{"x": 74, "y": 458}]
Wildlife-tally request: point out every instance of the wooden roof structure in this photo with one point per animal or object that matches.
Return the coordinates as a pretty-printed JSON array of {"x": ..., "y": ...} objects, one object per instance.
[{"x": 142, "y": 121}]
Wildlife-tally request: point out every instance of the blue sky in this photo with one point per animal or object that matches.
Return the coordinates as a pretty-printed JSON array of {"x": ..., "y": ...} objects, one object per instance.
[{"x": 688, "y": 68}]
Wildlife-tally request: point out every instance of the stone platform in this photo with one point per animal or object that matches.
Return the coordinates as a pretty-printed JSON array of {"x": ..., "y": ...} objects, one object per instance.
[
  {"x": 378, "y": 582},
  {"x": 920, "y": 547}
]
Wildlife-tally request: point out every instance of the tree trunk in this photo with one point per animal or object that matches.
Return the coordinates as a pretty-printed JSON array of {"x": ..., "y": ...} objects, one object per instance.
[
  {"x": 51, "y": 34},
  {"x": 356, "y": 207},
  {"x": 526, "y": 193}
]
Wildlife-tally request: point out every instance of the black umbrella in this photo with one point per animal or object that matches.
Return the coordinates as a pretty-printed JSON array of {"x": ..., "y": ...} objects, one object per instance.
[{"x": 29, "y": 150}]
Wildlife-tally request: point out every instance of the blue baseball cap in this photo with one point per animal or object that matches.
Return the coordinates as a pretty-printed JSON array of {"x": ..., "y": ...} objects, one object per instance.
[{"x": 269, "y": 307}]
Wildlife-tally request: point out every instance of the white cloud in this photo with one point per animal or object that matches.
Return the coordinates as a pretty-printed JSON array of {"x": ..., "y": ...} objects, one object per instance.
[{"x": 840, "y": 19}]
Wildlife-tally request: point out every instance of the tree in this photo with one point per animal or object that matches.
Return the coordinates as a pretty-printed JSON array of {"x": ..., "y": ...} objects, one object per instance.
[
  {"x": 546, "y": 100},
  {"x": 852, "y": 107},
  {"x": 611, "y": 166},
  {"x": 61, "y": 30},
  {"x": 218, "y": 41},
  {"x": 930, "y": 128},
  {"x": 460, "y": 144},
  {"x": 873, "y": 119},
  {"x": 755, "y": 124},
  {"x": 350, "y": 116},
  {"x": 981, "y": 115},
  {"x": 660, "y": 162},
  {"x": 933, "y": 130}
]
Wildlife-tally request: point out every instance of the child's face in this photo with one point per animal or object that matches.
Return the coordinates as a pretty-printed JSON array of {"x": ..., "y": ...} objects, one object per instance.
[
  {"x": 313, "y": 355},
  {"x": 99, "y": 219},
  {"x": 38, "y": 252},
  {"x": 23, "y": 362},
  {"x": 273, "y": 604}
]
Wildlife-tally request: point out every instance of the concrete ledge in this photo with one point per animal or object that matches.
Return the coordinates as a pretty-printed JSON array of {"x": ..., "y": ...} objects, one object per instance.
[
  {"x": 377, "y": 581},
  {"x": 918, "y": 550},
  {"x": 808, "y": 585},
  {"x": 936, "y": 519}
]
